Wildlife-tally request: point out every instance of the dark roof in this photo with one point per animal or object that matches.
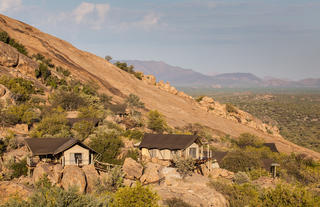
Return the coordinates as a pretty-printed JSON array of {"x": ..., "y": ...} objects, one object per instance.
[
  {"x": 271, "y": 146},
  {"x": 167, "y": 141},
  {"x": 51, "y": 146}
]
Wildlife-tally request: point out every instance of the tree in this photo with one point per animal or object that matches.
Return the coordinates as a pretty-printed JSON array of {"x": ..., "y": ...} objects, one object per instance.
[
  {"x": 108, "y": 145},
  {"x": 133, "y": 102},
  {"x": 108, "y": 58},
  {"x": 247, "y": 139},
  {"x": 156, "y": 122}
]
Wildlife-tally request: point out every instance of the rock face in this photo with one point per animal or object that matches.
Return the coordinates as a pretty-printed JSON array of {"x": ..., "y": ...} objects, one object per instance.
[
  {"x": 73, "y": 176},
  {"x": 193, "y": 190},
  {"x": 92, "y": 177},
  {"x": 132, "y": 169},
  {"x": 172, "y": 177},
  {"x": 8, "y": 189},
  {"x": 6, "y": 96},
  {"x": 11, "y": 58},
  {"x": 151, "y": 173},
  {"x": 223, "y": 173}
]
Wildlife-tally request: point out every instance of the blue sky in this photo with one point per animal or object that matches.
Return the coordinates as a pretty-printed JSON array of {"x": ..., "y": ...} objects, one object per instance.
[{"x": 279, "y": 38}]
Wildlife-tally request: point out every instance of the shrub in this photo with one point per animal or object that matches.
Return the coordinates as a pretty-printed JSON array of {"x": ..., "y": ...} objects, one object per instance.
[
  {"x": 53, "y": 125},
  {"x": 199, "y": 98},
  {"x": 133, "y": 101},
  {"x": 3, "y": 146},
  {"x": 19, "y": 168},
  {"x": 231, "y": 109},
  {"x": 257, "y": 173},
  {"x": 241, "y": 178},
  {"x": 133, "y": 134},
  {"x": 63, "y": 71},
  {"x": 135, "y": 197},
  {"x": 67, "y": 100},
  {"x": 240, "y": 161},
  {"x": 184, "y": 166},
  {"x": 238, "y": 195},
  {"x": 21, "y": 88},
  {"x": 4, "y": 37},
  {"x": 134, "y": 154},
  {"x": 247, "y": 139},
  {"x": 112, "y": 182},
  {"x": 156, "y": 122},
  {"x": 289, "y": 196},
  {"x": 83, "y": 129},
  {"x": 43, "y": 72},
  {"x": 22, "y": 113},
  {"x": 108, "y": 145},
  {"x": 176, "y": 202}
]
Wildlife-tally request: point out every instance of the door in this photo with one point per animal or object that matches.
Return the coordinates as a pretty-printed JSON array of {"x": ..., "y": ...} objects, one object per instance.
[{"x": 78, "y": 158}]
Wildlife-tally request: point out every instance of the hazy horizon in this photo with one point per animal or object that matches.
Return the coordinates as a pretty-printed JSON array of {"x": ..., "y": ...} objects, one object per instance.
[{"x": 264, "y": 37}]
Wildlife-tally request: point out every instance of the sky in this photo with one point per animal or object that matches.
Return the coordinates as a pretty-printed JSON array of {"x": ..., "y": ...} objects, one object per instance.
[{"x": 277, "y": 38}]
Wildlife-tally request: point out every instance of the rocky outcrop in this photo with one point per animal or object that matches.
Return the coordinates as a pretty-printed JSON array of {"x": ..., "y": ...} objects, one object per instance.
[
  {"x": 132, "y": 169},
  {"x": 149, "y": 79},
  {"x": 92, "y": 177},
  {"x": 73, "y": 176},
  {"x": 6, "y": 97},
  {"x": 9, "y": 189},
  {"x": 193, "y": 190},
  {"x": 172, "y": 177},
  {"x": 11, "y": 58},
  {"x": 221, "y": 173},
  {"x": 151, "y": 173}
]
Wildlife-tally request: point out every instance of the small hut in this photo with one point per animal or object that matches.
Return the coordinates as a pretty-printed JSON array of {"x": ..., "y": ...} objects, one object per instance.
[{"x": 170, "y": 146}]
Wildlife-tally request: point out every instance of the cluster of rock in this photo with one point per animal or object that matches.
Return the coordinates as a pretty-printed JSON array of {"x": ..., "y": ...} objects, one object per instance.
[
  {"x": 151, "y": 80},
  {"x": 84, "y": 178},
  {"x": 214, "y": 107},
  {"x": 21, "y": 64}
]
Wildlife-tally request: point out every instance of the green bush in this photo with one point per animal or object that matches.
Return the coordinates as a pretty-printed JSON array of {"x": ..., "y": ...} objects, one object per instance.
[
  {"x": 176, "y": 202},
  {"x": 241, "y": 178},
  {"x": 4, "y": 37},
  {"x": 21, "y": 88},
  {"x": 134, "y": 154},
  {"x": 108, "y": 145},
  {"x": 133, "y": 134},
  {"x": 83, "y": 129},
  {"x": 238, "y": 195},
  {"x": 289, "y": 196},
  {"x": 43, "y": 72},
  {"x": 111, "y": 182},
  {"x": 53, "y": 125},
  {"x": 133, "y": 101},
  {"x": 231, "y": 109},
  {"x": 63, "y": 71},
  {"x": 184, "y": 166},
  {"x": 257, "y": 173},
  {"x": 3, "y": 146},
  {"x": 156, "y": 122},
  {"x": 19, "y": 168},
  {"x": 17, "y": 114},
  {"x": 135, "y": 197},
  {"x": 129, "y": 69},
  {"x": 247, "y": 139},
  {"x": 67, "y": 100},
  {"x": 240, "y": 161}
]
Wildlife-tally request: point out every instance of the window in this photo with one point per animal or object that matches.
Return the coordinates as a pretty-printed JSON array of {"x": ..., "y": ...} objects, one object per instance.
[
  {"x": 76, "y": 158},
  {"x": 193, "y": 152},
  {"x": 153, "y": 153},
  {"x": 205, "y": 154}
]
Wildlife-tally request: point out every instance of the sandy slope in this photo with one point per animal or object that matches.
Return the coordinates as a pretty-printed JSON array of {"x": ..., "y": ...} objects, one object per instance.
[{"x": 113, "y": 81}]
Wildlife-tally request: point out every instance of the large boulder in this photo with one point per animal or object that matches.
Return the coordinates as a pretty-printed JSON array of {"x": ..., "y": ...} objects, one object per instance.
[
  {"x": 42, "y": 169},
  {"x": 26, "y": 65},
  {"x": 73, "y": 176},
  {"x": 132, "y": 169},
  {"x": 92, "y": 177},
  {"x": 9, "y": 56},
  {"x": 151, "y": 173},
  {"x": 9, "y": 189},
  {"x": 56, "y": 175}
]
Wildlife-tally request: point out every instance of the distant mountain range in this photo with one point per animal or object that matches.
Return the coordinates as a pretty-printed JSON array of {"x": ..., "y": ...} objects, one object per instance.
[{"x": 181, "y": 77}]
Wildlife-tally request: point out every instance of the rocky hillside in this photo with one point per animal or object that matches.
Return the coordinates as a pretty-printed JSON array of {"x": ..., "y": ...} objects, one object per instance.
[{"x": 178, "y": 108}]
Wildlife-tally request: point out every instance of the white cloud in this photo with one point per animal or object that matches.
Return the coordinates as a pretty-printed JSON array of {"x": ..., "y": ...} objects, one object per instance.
[
  {"x": 91, "y": 14},
  {"x": 82, "y": 10},
  {"x": 6, "y": 5}
]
